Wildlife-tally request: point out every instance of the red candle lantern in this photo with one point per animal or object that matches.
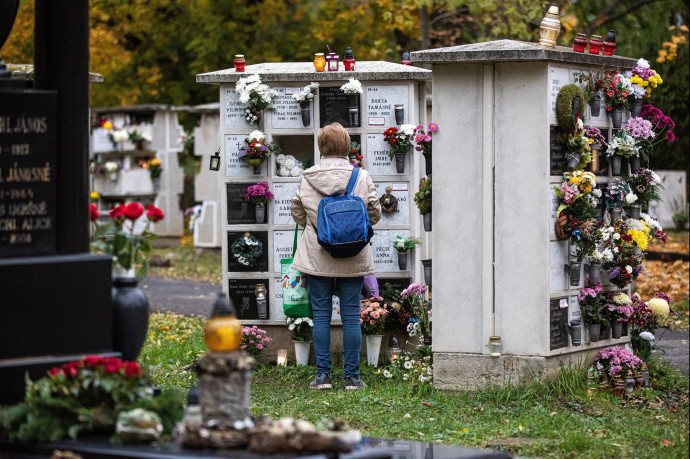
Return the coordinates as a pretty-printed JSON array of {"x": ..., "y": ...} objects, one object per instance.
[
  {"x": 349, "y": 60},
  {"x": 595, "y": 42},
  {"x": 406, "y": 58},
  {"x": 609, "y": 44},
  {"x": 580, "y": 43},
  {"x": 239, "y": 62}
]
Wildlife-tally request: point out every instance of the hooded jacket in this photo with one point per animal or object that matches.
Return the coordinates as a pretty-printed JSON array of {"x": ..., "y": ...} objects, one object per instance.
[{"x": 328, "y": 178}]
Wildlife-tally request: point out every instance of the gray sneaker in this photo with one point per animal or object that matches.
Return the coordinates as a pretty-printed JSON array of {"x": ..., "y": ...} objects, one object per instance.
[
  {"x": 353, "y": 383},
  {"x": 321, "y": 382}
]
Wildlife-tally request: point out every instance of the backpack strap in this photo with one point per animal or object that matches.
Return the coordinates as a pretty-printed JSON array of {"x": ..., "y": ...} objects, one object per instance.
[
  {"x": 294, "y": 244},
  {"x": 353, "y": 181}
]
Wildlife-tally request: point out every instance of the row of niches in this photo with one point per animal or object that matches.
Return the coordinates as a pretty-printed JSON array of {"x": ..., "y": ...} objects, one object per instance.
[
  {"x": 243, "y": 293},
  {"x": 243, "y": 211},
  {"x": 253, "y": 251},
  {"x": 299, "y": 152}
]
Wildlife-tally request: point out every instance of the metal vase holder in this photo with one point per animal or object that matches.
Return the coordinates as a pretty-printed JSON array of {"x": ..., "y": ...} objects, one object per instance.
[
  {"x": 615, "y": 162},
  {"x": 636, "y": 108},
  {"x": 573, "y": 270},
  {"x": 574, "y": 329},
  {"x": 260, "y": 213},
  {"x": 400, "y": 162},
  {"x": 616, "y": 118},
  {"x": 402, "y": 259},
  {"x": 399, "y": 114},
  {"x": 633, "y": 211},
  {"x": 426, "y": 217},
  {"x": 427, "y": 271},
  {"x": 594, "y": 273},
  {"x": 595, "y": 104},
  {"x": 306, "y": 113}
]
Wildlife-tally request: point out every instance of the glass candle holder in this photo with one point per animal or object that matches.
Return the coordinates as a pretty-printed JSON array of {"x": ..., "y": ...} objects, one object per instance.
[
  {"x": 629, "y": 382},
  {"x": 495, "y": 346},
  {"x": 282, "y": 358},
  {"x": 239, "y": 62},
  {"x": 609, "y": 44},
  {"x": 580, "y": 43},
  {"x": 333, "y": 62},
  {"x": 319, "y": 62},
  {"x": 349, "y": 60},
  {"x": 595, "y": 42}
]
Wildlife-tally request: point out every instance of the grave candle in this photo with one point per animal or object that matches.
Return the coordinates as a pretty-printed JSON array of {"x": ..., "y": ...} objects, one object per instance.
[
  {"x": 580, "y": 43},
  {"x": 595, "y": 42},
  {"x": 239, "y": 62}
]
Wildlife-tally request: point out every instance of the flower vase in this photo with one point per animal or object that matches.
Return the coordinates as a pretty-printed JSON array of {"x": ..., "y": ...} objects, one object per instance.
[
  {"x": 594, "y": 330},
  {"x": 400, "y": 162},
  {"x": 402, "y": 259},
  {"x": 113, "y": 176},
  {"x": 306, "y": 113},
  {"x": 156, "y": 184},
  {"x": 634, "y": 164},
  {"x": 373, "y": 349},
  {"x": 615, "y": 162},
  {"x": 260, "y": 213},
  {"x": 616, "y": 118},
  {"x": 427, "y": 162},
  {"x": 130, "y": 313},
  {"x": 573, "y": 161},
  {"x": 354, "y": 116},
  {"x": 257, "y": 170},
  {"x": 616, "y": 214},
  {"x": 573, "y": 271},
  {"x": 605, "y": 332},
  {"x": 352, "y": 100},
  {"x": 595, "y": 104},
  {"x": 302, "y": 349},
  {"x": 427, "y": 221},
  {"x": 617, "y": 330},
  {"x": 633, "y": 211},
  {"x": 427, "y": 271},
  {"x": 399, "y": 114},
  {"x": 636, "y": 108},
  {"x": 594, "y": 273}
]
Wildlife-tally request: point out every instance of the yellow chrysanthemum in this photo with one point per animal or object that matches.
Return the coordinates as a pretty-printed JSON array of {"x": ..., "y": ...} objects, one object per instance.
[
  {"x": 95, "y": 196},
  {"x": 645, "y": 84},
  {"x": 647, "y": 92},
  {"x": 640, "y": 238},
  {"x": 659, "y": 307},
  {"x": 622, "y": 298}
]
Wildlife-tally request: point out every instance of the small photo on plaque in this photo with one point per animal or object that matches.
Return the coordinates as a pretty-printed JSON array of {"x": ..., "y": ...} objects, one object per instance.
[{"x": 334, "y": 107}]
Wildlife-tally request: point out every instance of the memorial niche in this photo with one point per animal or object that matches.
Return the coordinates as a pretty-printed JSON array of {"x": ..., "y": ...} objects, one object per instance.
[
  {"x": 558, "y": 317},
  {"x": 333, "y": 107},
  {"x": 261, "y": 262},
  {"x": 241, "y": 291},
  {"x": 240, "y": 210}
]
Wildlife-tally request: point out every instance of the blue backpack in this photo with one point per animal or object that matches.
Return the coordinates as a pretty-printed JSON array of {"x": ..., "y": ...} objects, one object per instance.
[{"x": 343, "y": 226}]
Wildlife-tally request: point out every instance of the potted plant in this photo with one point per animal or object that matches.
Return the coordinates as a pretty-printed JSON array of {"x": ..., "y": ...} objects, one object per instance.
[
  {"x": 372, "y": 319},
  {"x": 301, "y": 328},
  {"x": 112, "y": 168},
  {"x": 139, "y": 139},
  {"x": 254, "y": 150},
  {"x": 617, "y": 94},
  {"x": 353, "y": 89},
  {"x": 423, "y": 200},
  {"x": 128, "y": 240},
  {"x": 117, "y": 137},
  {"x": 618, "y": 309},
  {"x": 403, "y": 246},
  {"x": 260, "y": 194},
  {"x": 400, "y": 141},
  {"x": 592, "y": 91},
  {"x": 616, "y": 196},
  {"x": 614, "y": 361},
  {"x": 423, "y": 141},
  {"x": 646, "y": 185},
  {"x": 622, "y": 145},
  {"x": 155, "y": 169},
  {"x": 254, "y": 341},
  {"x": 642, "y": 80},
  {"x": 413, "y": 298},
  {"x": 592, "y": 309},
  {"x": 304, "y": 97},
  {"x": 578, "y": 148},
  {"x": 598, "y": 142},
  {"x": 256, "y": 95},
  {"x": 646, "y": 319}
]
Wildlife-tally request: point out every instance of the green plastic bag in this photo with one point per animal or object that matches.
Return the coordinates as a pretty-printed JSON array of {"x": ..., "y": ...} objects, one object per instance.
[{"x": 296, "y": 301}]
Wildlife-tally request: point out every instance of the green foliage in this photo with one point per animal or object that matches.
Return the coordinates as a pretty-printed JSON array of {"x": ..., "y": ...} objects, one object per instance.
[
  {"x": 423, "y": 197},
  {"x": 680, "y": 217},
  {"x": 564, "y": 106}
]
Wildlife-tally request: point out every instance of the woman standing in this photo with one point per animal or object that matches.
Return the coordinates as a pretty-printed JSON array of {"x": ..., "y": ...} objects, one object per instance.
[{"x": 327, "y": 274}]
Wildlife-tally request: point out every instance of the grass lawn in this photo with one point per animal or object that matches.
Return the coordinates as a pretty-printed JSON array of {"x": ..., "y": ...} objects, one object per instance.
[
  {"x": 555, "y": 419},
  {"x": 186, "y": 263}
]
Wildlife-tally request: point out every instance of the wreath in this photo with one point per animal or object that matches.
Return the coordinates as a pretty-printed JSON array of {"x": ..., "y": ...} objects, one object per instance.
[
  {"x": 389, "y": 203},
  {"x": 247, "y": 250},
  {"x": 564, "y": 106}
]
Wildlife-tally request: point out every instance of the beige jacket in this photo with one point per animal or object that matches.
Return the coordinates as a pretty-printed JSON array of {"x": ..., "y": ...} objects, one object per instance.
[{"x": 330, "y": 178}]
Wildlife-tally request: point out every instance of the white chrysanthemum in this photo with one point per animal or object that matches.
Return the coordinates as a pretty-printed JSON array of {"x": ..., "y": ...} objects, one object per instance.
[
  {"x": 631, "y": 223},
  {"x": 387, "y": 374},
  {"x": 644, "y": 63},
  {"x": 291, "y": 327},
  {"x": 651, "y": 222},
  {"x": 283, "y": 171},
  {"x": 296, "y": 171},
  {"x": 579, "y": 125},
  {"x": 655, "y": 177},
  {"x": 352, "y": 87},
  {"x": 407, "y": 129},
  {"x": 659, "y": 306},
  {"x": 280, "y": 159},
  {"x": 289, "y": 162},
  {"x": 256, "y": 135},
  {"x": 244, "y": 98},
  {"x": 630, "y": 197},
  {"x": 408, "y": 365},
  {"x": 628, "y": 269},
  {"x": 596, "y": 193},
  {"x": 648, "y": 336}
]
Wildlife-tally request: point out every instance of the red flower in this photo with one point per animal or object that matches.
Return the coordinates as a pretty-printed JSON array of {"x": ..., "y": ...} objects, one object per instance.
[
  {"x": 55, "y": 371},
  {"x": 112, "y": 364},
  {"x": 626, "y": 237},
  {"x": 93, "y": 212},
  {"x": 132, "y": 369},
  {"x": 71, "y": 368},
  {"x": 118, "y": 212},
  {"x": 154, "y": 213},
  {"x": 625, "y": 93},
  {"x": 609, "y": 108},
  {"x": 610, "y": 93},
  {"x": 133, "y": 210},
  {"x": 92, "y": 361}
]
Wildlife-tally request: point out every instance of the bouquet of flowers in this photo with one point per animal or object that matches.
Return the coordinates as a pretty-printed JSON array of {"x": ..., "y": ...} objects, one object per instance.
[
  {"x": 598, "y": 140},
  {"x": 307, "y": 94},
  {"x": 86, "y": 396},
  {"x": 301, "y": 328},
  {"x": 605, "y": 247},
  {"x": 617, "y": 93},
  {"x": 646, "y": 184},
  {"x": 126, "y": 240},
  {"x": 624, "y": 269},
  {"x": 594, "y": 82},
  {"x": 111, "y": 167},
  {"x": 372, "y": 316},
  {"x": 423, "y": 139},
  {"x": 154, "y": 167},
  {"x": 118, "y": 136},
  {"x": 655, "y": 229},
  {"x": 618, "y": 194},
  {"x": 355, "y": 154},
  {"x": 660, "y": 122},
  {"x": 138, "y": 138},
  {"x": 254, "y": 340},
  {"x": 633, "y": 233},
  {"x": 352, "y": 87},
  {"x": 623, "y": 144},
  {"x": 254, "y": 151},
  {"x": 592, "y": 305},
  {"x": 423, "y": 197},
  {"x": 256, "y": 95},
  {"x": 414, "y": 367},
  {"x": 643, "y": 79},
  {"x": 413, "y": 296},
  {"x": 400, "y": 244},
  {"x": 619, "y": 307},
  {"x": 646, "y": 319},
  {"x": 400, "y": 140},
  {"x": 289, "y": 166},
  {"x": 259, "y": 194},
  {"x": 400, "y": 312},
  {"x": 579, "y": 144},
  {"x": 614, "y": 360}
]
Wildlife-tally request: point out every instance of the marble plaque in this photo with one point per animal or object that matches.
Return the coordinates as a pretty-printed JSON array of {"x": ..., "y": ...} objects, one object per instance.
[
  {"x": 334, "y": 107},
  {"x": 240, "y": 210},
  {"x": 241, "y": 292},
  {"x": 261, "y": 265},
  {"x": 558, "y": 256},
  {"x": 402, "y": 193},
  {"x": 234, "y": 111},
  {"x": 288, "y": 114},
  {"x": 377, "y": 161},
  {"x": 234, "y": 166},
  {"x": 557, "y": 151},
  {"x": 558, "y": 317},
  {"x": 283, "y": 192},
  {"x": 558, "y": 77},
  {"x": 385, "y": 256},
  {"x": 575, "y": 312},
  {"x": 282, "y": 246},
  {"x": 380, "y": 105}
]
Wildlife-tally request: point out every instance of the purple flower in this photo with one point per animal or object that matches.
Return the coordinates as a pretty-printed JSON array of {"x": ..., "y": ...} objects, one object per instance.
[{"x": 614, "y": 273}]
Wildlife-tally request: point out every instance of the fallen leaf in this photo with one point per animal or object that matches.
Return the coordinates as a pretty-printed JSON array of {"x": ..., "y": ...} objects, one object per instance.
[
  {"x": 505, "y": 421},
  {"x": 667, "y": 443},
  {"x": 420, "y": 434},
  {"x": 658, "y": 405},
  {"x": 553, "y": 413},
  {"x": 426, "y": 403}
]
